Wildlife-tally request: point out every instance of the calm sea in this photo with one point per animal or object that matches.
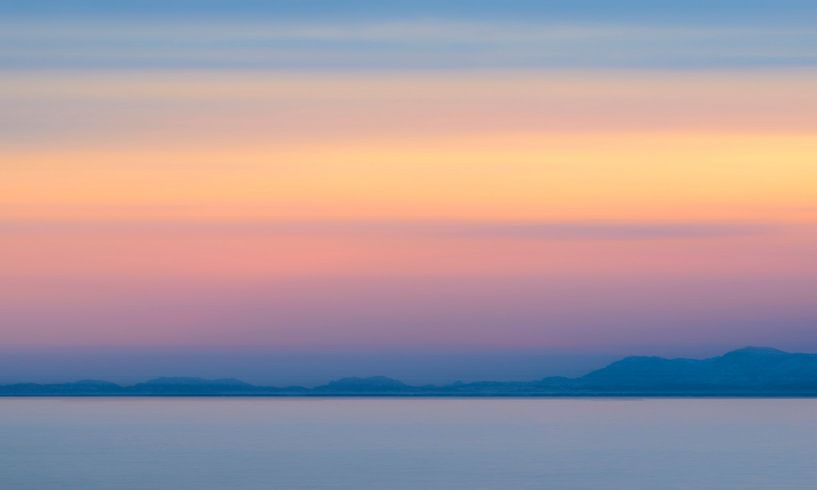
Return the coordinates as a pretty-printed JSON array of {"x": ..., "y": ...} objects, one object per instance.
[{"x": 418, "y": 443}]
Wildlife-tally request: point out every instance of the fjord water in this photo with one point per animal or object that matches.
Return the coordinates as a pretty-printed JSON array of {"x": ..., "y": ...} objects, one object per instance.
[{"x": 362, "y": 443}]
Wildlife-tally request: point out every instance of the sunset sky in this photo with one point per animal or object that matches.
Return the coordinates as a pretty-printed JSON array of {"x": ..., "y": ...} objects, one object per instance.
[{"x": 362, "y": 182}]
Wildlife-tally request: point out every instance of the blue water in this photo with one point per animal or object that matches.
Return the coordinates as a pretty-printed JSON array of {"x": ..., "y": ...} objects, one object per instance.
[{"x": 371, "y": 443}]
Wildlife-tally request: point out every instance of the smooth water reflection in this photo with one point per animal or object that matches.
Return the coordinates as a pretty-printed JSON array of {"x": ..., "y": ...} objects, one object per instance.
[{"x": 362, "y": 443}]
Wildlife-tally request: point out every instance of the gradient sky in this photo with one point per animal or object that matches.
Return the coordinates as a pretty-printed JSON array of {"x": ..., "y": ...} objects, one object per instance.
[{"x": 410, "y": 188}]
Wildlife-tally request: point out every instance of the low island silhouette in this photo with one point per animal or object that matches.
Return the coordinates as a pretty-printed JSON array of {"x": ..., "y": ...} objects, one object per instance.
[{"x": 751, "y": 371}]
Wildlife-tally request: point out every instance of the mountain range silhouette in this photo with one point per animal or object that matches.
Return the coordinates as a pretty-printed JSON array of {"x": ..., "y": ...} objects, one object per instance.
[{"x": 751, "y": 371}]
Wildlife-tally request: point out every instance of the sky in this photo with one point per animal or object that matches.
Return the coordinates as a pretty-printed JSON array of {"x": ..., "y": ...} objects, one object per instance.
[{"x": 290, "y": 191}]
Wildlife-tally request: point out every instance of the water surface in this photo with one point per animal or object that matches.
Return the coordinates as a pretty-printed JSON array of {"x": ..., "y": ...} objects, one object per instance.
[{"x": 376, "y": 443}]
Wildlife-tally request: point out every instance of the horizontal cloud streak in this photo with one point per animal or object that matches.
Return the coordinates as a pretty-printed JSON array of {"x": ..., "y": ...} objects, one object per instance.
[
  {"x": 697, "y": 10},
  {"x": 541, "y": 230},
  {"x": 433, "y": 31},
  {"x": 392, "y": 44}
]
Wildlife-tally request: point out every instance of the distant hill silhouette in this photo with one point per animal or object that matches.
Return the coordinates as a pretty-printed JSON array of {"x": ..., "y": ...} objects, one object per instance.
[
  {"x": 191, "y": 386},
  {"x": 749, "y": 371},
  {"x": 755, "y": 368},
  {"x": 374, "y": 384},
  {"x": 195, "y": 382}
]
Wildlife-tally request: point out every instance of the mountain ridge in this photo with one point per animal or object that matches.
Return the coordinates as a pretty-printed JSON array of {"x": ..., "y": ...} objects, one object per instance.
[{"x": 747, "y": 371}]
